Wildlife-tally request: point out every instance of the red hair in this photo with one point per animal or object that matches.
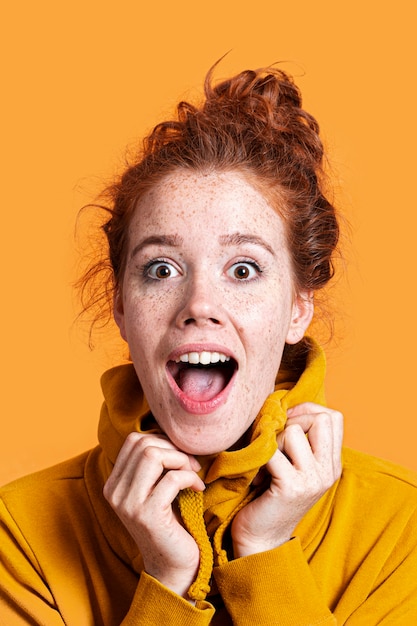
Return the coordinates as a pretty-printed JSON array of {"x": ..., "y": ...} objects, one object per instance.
[{"x": 253, "y": 123}]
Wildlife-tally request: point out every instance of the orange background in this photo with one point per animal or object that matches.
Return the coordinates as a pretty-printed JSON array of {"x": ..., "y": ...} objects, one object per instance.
[{"x": 82, "y": 80}]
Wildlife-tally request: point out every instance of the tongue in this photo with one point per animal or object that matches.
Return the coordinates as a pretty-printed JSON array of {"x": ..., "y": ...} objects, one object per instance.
[{"x": 202, "y": 384}]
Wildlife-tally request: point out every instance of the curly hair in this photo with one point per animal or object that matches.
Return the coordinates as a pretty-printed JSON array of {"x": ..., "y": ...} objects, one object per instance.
[{"x": 253, "y": 123}]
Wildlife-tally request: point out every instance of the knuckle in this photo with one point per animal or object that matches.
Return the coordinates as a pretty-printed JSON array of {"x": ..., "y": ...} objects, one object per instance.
[
  {"x": 125, "y": 509},
  {"x": 324, "y": 418},
  {"x": 151, "y": 453},
  {"x": 308, "y": 406},
  {"x": 173, "y": 477},
  {"x": 293, "y": 430},
  {"x": 134, "y": 438},
  {"x": 329, "y": 416},
  {"x": 111, "y": 497}
]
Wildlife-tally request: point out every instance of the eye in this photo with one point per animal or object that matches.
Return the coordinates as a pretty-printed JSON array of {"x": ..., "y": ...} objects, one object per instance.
[
  {"x": 160, "y": 270},
  {"x": 244, "y": 270}
]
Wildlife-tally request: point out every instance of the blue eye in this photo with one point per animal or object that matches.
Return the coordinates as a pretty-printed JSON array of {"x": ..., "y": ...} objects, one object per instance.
[
  {"x": 244, "y": 270},
  {"x": 160, "y": 270}
]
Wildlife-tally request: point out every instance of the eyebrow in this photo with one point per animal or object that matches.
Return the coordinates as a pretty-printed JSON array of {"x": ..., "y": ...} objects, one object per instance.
[
  {"x": 173, "y": 241},
  {"x": 158, "y": 240},
  {"x": 236, "y": 239}
]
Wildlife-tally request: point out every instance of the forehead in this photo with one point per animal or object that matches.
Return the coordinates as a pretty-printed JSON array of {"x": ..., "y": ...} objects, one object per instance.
[{"x": 216, "y": 201}]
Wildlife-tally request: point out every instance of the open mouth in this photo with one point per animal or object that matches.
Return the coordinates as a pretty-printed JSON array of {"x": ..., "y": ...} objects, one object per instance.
[{"x": 202, "y": 376}]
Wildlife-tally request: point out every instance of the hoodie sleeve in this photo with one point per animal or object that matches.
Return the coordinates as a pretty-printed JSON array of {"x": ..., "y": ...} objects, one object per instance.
[
  {"x": 155, "y": 604},
  {"x": 274, "y": 587},
  {"x": 278, "y": 587},
  {"x": 26, "y": 598}
]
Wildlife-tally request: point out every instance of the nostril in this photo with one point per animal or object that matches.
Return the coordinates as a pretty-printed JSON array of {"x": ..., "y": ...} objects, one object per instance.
[{"x": 192, "y": 320}]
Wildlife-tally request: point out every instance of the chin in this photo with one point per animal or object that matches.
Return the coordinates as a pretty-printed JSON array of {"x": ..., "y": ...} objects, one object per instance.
[{"x": 202, "y": 444}]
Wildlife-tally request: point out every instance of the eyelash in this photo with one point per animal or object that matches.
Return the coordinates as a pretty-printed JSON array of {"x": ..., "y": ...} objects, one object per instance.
[
  {"x": 146, "y": 268},
  {"x": 153, "y": 263},
  {"x": 252, "y": 264}
]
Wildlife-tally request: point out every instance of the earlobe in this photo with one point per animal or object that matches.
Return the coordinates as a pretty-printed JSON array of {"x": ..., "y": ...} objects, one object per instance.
[
  {"x": 118, "y": 311},
  {"x": 302, "y": 314}
]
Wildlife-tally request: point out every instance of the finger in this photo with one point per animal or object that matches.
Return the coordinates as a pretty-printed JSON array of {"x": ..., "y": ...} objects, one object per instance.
[
  {"x": 334, "y": 424},
  {"x": 136, "y": 443},
  {"x": 293, "y": 443},
  {"x": 137, "y": 440},
  {"x": 325, "y": 437},
  {"x": 325, "y": 433},
  {"x": 308, "y": 411},
  {"x": 260, "y": 476},
  {"x": 327, "y": 416},
  {"x": 168, "y": 488},
  {"x": 305, "y": 408},
  {"x": 154, "y": 462},
  {"x": 315, "y": 471},
  {"x": 157, "y": 506},
  {"x": 161, "y": 498},
  {"x": 279, "y": 466},
  {"x": 143, "y": 469},
  {"x": 162, "y": 441}
]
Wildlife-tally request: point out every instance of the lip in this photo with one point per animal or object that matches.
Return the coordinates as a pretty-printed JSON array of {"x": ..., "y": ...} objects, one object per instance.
[
  {"x": 200, "y": 347},
  {"x": 192, "y": 406}
]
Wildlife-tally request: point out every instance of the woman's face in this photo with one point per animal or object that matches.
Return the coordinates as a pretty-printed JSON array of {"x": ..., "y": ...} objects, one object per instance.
[{"x": 207, "y": 304}]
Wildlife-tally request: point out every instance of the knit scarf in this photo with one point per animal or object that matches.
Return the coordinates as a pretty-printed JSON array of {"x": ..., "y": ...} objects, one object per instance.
[{"x": 228, "y": 475}]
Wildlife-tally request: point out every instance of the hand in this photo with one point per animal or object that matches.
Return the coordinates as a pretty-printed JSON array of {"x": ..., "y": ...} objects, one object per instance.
[
  {"x": 302, "y": 470},
  {"x": 146, "y": 478}
]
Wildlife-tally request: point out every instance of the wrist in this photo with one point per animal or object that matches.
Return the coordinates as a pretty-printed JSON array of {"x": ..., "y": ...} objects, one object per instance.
[
  {"x": 247, "y": 549},
  {"x": 177, "y": 582}
]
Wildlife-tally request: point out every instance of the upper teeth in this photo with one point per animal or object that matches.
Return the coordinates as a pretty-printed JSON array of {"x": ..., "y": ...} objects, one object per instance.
[{"x": 203, "y": 358}]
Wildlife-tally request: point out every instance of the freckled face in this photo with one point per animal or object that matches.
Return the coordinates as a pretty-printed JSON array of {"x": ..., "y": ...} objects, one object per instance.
[{"x": 206, "y": 305}]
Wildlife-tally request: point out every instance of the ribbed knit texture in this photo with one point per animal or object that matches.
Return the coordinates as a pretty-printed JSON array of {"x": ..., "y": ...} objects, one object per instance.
[{"x": 191, "y": 506}]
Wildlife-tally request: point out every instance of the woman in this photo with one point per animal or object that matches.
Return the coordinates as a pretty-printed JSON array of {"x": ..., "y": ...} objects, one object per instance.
[{"x": 224, "y": 498}]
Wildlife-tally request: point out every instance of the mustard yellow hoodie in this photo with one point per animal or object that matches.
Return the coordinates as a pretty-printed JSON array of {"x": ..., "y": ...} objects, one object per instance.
[{"x": 66, "y": 559}]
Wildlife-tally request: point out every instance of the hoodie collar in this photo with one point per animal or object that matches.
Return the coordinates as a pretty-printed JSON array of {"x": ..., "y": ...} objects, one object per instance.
[
  {"x": 125, "y": 410},
  {"x": 229, "y": 474}
]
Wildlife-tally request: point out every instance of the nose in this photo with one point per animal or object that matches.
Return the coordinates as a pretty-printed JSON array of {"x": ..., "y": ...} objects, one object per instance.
[{"x": 200, "y": 305}]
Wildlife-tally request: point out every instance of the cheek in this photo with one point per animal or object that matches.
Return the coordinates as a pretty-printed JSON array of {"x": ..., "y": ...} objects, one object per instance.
[
  {"x": 269, "y": 331},
  {"x": 148, "y": 319},
  {"x": 138, "y": 333},
  {"x": 145, "y": 313}
]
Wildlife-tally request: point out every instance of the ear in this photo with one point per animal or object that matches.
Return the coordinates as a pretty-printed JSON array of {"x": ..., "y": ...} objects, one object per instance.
[
  {"x": 118, "y": 311},
  {"x": 302, "y": 314}
]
